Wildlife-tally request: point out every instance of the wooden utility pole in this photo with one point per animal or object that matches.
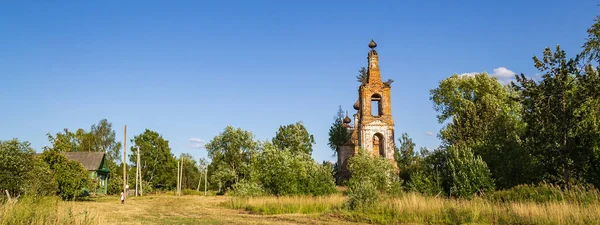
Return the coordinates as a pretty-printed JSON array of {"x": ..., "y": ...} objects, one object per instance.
[
  {"x": 181, "y": 175},
  {"x": 178, "y": 165},
  {"x": 139, "y": 171},
  {"x": 137, "y": 175},
  {"x": 124, "y": 163},
  {"x": 205, "y": 179}
]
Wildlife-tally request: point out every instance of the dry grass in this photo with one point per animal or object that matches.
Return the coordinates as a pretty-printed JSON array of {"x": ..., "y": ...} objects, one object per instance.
[
  {"x": 287, "y": 205},
  {"x": 408, "y": 209},
  {"x": 417, "y": 209},
  {"x": 47, "y": 210},
  {"x": 169, "y": 209}
]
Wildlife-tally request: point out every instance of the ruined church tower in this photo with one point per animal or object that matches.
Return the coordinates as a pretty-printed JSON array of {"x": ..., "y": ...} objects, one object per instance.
[{"x": 373, "y": 128}]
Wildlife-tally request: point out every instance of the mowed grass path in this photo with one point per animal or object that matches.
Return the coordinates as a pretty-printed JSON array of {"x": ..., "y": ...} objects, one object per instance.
[{"x": 169, "y": 209}]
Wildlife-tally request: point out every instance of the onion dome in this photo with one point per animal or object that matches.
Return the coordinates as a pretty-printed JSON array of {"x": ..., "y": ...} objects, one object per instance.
[
  {"x": 372, "y": 44},
  {"x": 357, "y": 105},
  {"x": 347, "y": 119}
]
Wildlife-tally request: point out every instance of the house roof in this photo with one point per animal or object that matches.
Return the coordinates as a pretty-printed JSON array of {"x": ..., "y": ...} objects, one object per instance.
[{"x": 89, "y": 160}]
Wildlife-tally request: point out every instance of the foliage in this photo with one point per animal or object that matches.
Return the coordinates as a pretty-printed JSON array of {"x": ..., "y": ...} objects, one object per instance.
[
  {"x": 72, "y": 178},
  {"x": 466, "y": 173},
  {"x": 246, "y": 188},
  {"x": 380, "y": 171},
  {"x": 454, "y": 171},
  {"x": 484, "y": 115},
  {"x": 561, "y": 114},
  {"x": 388, "y": 83},
  {"x": 294, "y": 138},
  {"x": 40, "y": 181},
  {"x": 115, "y": 185},
  {"x": 286, "y": 173},
  {"x": 363, "y": 76},
  {"x": 406, "y": 157},
  {"x": 338, "y": 134},
  {"x": 230, "y": 154},
  {"x": 371, "y": 177},
  {"x": 16, "y": 160},
  {"x": 158, "y": 164}
]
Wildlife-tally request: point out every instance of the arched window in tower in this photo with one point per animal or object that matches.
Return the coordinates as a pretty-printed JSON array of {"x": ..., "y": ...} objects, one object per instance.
[
  {"x": 376, "y": 108},
  {"x": 378, "y": 145}
]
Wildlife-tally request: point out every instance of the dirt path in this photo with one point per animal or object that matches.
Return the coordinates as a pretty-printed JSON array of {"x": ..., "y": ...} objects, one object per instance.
[{"x": 166, "y": 209}]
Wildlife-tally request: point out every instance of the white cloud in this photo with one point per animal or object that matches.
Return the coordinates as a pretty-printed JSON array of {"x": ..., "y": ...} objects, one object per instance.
[
  {"x": 503, "y": 72},
  {"x": 469, "y": 74},
  {"x": 197, "y": 140},
  {"x": 504, "y": 75},
  {"x": 196, "y": 143},
  {"x": 429, "y": 133}
]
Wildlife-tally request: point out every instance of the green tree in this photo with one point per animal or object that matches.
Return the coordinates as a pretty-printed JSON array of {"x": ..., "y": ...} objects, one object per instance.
[
  {"x": 191, "y": 173},
  {"x": 104, "y": 139},
  {"x": 485, "y": 116},
  {"x": 158, "y": 164},
  {"x": 230, "y": 153},
  {"x": 406, "y": 157},
  {"x": 40, "y": 180},
  {"x": 294, "y": 138},
  {"x": 363, "y": 76},
  {"x": 16, "y": 160},
  {"x": 72, "y": 178},
  {"x": 553, "y": 110},
  {"x": 338, "y": 134}
]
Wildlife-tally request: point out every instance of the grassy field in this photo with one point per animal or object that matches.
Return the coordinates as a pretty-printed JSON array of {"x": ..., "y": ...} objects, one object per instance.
[
  {"x": 169, "y": 209},
  {"x": 191, "y": 209}
]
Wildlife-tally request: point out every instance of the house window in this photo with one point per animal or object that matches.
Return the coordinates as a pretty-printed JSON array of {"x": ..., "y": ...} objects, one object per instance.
[{"x": 376, "y": 108}]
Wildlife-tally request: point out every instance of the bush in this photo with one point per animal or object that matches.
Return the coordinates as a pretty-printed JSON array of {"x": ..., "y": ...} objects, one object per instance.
[
  {"x": 115, "y": 185},
  {"x": 282, "y": 172},
  {"x": 371, "y": 178},
  {"x": 379, "y": 172},
  {"x": 455, "y": 171},
  {"x": 362, "y": 195},
  {"x": 246, "y": 188},
  {"x": 465, "y": 173}
]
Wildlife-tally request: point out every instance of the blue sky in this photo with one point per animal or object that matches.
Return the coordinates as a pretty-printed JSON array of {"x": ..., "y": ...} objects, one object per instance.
[{"x": 189, "y": 69}]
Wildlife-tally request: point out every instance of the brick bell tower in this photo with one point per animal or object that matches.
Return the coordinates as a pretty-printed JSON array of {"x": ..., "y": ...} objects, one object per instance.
[{"x": 373, "y": 124}]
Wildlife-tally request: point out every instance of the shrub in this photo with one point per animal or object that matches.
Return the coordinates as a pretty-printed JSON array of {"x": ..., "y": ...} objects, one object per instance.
[
  {"x": 282, "y": 172},
  {"x": 246, "y": 188},
  {"x": 362, "y": 194},
  {"x": 115, "y": 185},
  {"x": 371, "y": 177},
  {"x": 465, "y": 173},
  {"x": 455, "y": 171}
]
